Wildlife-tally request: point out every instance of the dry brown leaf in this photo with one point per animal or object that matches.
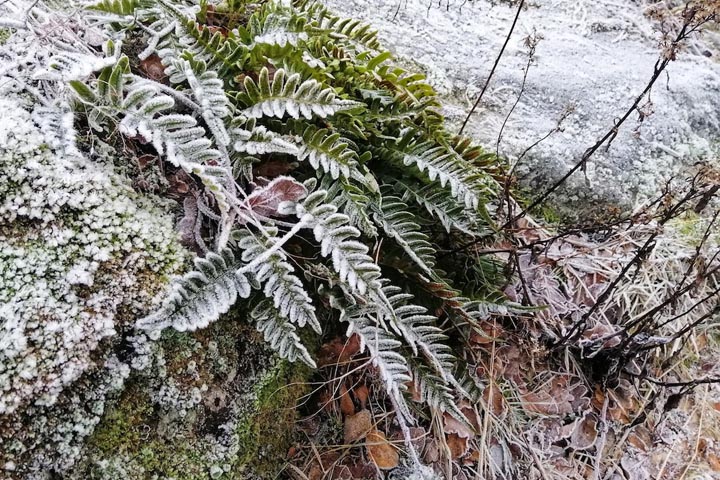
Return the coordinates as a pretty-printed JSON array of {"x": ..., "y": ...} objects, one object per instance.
[
  {"x": 347, "y": 407},
  {"x": 545, "y": 403},
  {"x": 713, "y": 461},
  {"x": 382, "y": 452},
  {"x": 458, "y": 445},
  {"x": 432, "y": 451},
  {"x": 641, "y": 438},
  {"x": 357, "y": 426},
  {"x": 585, "y": 433},
  {"x": 493, "y": 399},
  {"x": 470, "y": 413},
  {"x": 453, "y": 425},
  {"x": 361, "y": 393},
  {"x": 153, "y": 68},
  {"x": 338, "y": 350}
]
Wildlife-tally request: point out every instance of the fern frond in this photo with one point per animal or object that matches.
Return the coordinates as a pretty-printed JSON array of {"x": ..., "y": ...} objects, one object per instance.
[
  {"x": 418, "y": 330},
  {"x": 279, "y": 27},
  {"x": 209, "y": 92},
  {"x": 450, "y": 213},
  {"x": 258, "y": 140},
  {"x": 338, "y": 240},
  {"x": 433, "y": 391},
  {"x": 467, "y": 184},
  {"x": 201, "y": 296},
  {"x": 353, "y": 33},
  {"x": 68, "y": 66},
  {"x": 289, "y": 95},
  {"x": 494, "y": 304},
  {"x": 384, "y": 352},
  {"x": 280, "y": 334},
  {"x": 393, "y": 215},
  {"x": 353, "y": 201},
  {"x": 281, "y": 285},
  {"x": 325, "y": 149}
]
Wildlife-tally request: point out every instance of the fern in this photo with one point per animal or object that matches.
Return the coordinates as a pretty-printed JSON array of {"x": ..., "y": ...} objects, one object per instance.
[
  {"x": 399, "y": 224},
  {"x": 433, "y": 391},
  {"x": 258, "y": 140},
  {"x": 278, "y": 27},
  {"x": 208, "y": 90},
  {"x": 289, "y": 95},
  {"x": 281, "y": 285},
  {"x": 294, "y": 95},
  {"x": 280, "y": 334},
  {"x": 436, "y": 201},
  {"x": 385, "y": 356},
  {"x": 325, "y": 150},
  {"x": 201, "y": 296},
  {"x": 467, "y": 184},
  {"x": 338, "y": 240},
  {"x": 353, "y": 201}
]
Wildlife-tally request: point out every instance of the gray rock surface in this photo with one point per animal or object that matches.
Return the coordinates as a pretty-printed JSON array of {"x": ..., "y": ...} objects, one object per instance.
[{"x": 595, "y": 57}]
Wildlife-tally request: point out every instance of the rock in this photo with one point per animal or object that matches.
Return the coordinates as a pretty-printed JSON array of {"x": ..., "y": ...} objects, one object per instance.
[{"x": 596, "y": 57}]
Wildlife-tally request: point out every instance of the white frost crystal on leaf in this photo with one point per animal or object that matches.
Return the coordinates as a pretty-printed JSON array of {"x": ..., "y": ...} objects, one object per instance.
[{"x": 76, "y": 245}]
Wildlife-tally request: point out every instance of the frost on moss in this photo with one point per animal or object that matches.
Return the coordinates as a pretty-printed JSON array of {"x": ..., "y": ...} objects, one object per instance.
[
  {"x": 211, "y": 404},
  {"x": 81, "y": 255}
]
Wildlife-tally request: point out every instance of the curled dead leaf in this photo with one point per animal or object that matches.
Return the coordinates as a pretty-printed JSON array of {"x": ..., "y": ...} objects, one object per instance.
[
  {"x": 641, "y": 438},
  {"x": 382, "y": 452},
  {"x": 455, "y": 426}
]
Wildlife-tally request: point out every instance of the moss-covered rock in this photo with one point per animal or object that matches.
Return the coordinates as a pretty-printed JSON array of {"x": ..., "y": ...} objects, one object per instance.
[{"x": 212, "y": 404}]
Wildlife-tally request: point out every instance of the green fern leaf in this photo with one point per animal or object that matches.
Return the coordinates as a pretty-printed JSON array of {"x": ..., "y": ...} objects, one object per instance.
[
  {"x": 289, "y": 95},
  {"x": 399, "y": 224}
]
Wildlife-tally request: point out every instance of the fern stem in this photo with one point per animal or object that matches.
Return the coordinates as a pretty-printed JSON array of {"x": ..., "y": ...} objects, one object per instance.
[{"x": 304, "y": 222}]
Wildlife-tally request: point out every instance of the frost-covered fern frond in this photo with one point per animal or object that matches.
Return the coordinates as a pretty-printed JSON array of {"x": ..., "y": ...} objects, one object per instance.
[
  {"x": 466, "y": 183},
  {"x": 326, "y": 150},
  {"x": 418, "y": 330},
  {"x": 384, "y": 352},
  {"x": 434, "y": 391},
  {"x": 353, "y": 201},
  {"x": 66, "y": 66},
  {"x": 288, "y": 95},
  {"x": 338, "y": 240},
  {"x": 348, "y": 31},
  {"x": 209, "y": 93},
  {"x": 275, "y": 272},
  {"x": 280, "y": 334},
  {"x": 400, "y": 224},
  {"x": 436, "y": 201},
  {"x": 201, "y": 296},
  {"x": 258, "y": 140},
  {"x": 277, "y": 27}
]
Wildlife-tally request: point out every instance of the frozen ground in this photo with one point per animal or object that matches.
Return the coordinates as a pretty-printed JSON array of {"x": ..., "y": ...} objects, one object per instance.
[{"x": 595, "y": 57}]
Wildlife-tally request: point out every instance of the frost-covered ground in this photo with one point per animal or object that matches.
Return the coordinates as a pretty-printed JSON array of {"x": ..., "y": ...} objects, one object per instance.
[{"x": 595, "y": 57}]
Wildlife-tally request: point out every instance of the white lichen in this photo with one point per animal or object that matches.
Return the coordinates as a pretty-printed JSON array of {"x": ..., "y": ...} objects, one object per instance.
[{"x": 69, "y": 226}]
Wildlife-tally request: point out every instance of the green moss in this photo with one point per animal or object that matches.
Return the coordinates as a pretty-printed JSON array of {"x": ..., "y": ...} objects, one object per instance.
[
  {"x": 120, "y": 429},
  {"x": 267, "y": 433},
  {"x": 4, "y": 35}
]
